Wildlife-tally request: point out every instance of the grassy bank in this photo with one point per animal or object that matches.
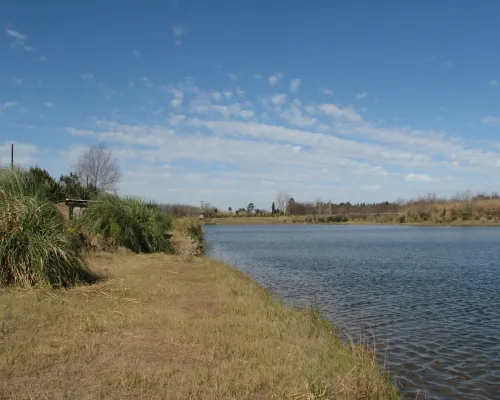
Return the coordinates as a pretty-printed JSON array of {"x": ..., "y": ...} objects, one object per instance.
[
  {"x": 393, "y": 219},
  {"x": 163, "y": 326}
]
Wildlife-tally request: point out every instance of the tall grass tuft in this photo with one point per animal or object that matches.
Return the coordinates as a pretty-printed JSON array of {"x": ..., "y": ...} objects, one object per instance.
[
  {"x": 35, "y": 247},
  {"x": 189, "y": 227},
  {"x": 129, "y": 222}
]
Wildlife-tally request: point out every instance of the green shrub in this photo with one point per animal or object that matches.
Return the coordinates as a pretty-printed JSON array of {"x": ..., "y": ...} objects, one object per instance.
[
  {"x": 128, "y": 222},
  {"x": 35, "y": 246}
]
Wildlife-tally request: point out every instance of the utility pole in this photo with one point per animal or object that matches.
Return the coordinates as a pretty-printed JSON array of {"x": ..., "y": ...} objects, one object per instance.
[{"x": 12, "y": 156}]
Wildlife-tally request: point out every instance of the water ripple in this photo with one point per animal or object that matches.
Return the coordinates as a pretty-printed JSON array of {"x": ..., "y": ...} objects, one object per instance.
[{"x": 428, "y": 297}]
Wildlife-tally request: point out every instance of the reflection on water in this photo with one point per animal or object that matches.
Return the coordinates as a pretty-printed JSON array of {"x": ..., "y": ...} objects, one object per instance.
[{"x": 429, "y": 296}]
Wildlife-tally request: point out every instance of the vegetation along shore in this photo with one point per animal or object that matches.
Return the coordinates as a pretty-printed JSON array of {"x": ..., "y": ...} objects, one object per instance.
[
  {"x": 463, "y": 209},
  {"x": 119, "y": 303}
]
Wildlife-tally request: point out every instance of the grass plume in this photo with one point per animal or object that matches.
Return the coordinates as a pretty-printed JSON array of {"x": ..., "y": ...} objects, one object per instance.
[
  {"x": 128, "y": 222},
  {"x": 35, "y": 246}
]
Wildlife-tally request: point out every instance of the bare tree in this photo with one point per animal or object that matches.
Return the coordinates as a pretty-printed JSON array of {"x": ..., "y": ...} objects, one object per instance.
[
  {"x": 98, "y": 169},
  {"x": 318, "y": 206},
  {"x": 282, "y": 201}
]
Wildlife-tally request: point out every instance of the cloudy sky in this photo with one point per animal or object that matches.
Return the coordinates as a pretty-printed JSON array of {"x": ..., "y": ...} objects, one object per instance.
[{"x": 231, "y": 101}]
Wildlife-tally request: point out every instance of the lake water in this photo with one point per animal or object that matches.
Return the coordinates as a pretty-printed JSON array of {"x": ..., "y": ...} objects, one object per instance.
[{"x": 428, "y": 296}]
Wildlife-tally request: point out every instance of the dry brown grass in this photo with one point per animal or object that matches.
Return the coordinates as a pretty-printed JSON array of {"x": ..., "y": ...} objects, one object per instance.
[
  {"x": 165, "y": 327},
  {"x": 254, "y": 220}
]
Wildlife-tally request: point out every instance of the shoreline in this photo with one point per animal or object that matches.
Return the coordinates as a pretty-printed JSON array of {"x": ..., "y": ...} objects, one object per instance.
[
  {"x": 165, "y": 326},
  {"x": 291, "y": 221}
]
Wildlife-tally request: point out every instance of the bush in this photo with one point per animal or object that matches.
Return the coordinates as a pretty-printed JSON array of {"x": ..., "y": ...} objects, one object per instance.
[
  {"x": 35, "y": 246},
  {"x": 128, "y": 222}
]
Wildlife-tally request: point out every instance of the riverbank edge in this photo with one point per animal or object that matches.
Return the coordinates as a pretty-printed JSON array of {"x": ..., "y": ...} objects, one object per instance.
[
  {"x": 283, "y": 221},
  {"x": 282, "y": 349}
]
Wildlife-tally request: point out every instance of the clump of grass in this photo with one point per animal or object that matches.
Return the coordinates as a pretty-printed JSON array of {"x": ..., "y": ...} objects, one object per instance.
[
  {"x": 35, "y": 246},
  {"x": 189, "y": 227},
  {"x": 128, "y": 222}
]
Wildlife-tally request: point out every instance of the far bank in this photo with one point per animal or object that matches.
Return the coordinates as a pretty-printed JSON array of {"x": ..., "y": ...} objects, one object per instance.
[{"x": 399, "y": 219}]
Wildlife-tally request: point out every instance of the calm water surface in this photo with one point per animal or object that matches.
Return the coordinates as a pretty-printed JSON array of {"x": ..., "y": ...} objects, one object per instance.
[{"x": 429, "y": 296}]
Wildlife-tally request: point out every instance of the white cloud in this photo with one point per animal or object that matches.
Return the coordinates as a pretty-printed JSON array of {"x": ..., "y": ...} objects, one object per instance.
[
  {"x": 19, "y": 40},
  {"x": 257, "y": 76},
  {"x": 493, "y": 83},
  {"x": 274, "y": 79},
  {"x": 22, "y": 45},
  {"x": 177, "y": 119},
  {"x": 418, "y": 178},
  {"x": 48, "y": 104},
  {"x": 176, "y": 102},
  {"x": 361, "y": 95},
  {"x": 324, "y": 144},
  {"x": 18, "y": 81},
  {"x": 326, "y": 91},
  {"x": 309, "y": 148},
  {"x": 311, "y": 110},
  {"x": 240, "y": 92},
  {"x": 348, "y": 113},
  {"x": 278, "y": 99},
  {"x": 295, "y": 116},
  {"x": 246, "y": 114},
  {"x": 179, "y": 30},
  {"x": 232, "y": 76},
  {"x": 217, "y": 96},
  {"x": 205, "y": 107},
  {"x": 87, "y": 76},
  {"x": 296, "y": 149},
  {"x": 490, "y": 120},
  {"x": 177, "y": 43},
  {"x": 295, "y": 85},
  {"x": 15, "y": 34},
  {"x": 178, "y": 97},
  {"x": 137, "y": 53},
  {"x": 42, "y": 58},
  {"x": 6, "y": 105}
]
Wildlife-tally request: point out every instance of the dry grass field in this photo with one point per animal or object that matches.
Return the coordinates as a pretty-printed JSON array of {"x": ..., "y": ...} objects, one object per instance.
[{"x": 170, "y": 327}]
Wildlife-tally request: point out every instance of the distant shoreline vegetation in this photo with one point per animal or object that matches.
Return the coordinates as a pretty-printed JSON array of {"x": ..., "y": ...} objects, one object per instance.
[{"x": 462, "y": 209}]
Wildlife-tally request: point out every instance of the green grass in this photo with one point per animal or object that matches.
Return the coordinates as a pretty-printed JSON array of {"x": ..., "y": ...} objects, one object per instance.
[
  {"x": 36, "y": 248},
  {"x": 128, "y": 222}
]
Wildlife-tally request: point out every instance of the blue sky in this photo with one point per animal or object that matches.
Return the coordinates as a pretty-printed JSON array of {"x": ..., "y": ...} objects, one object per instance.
[{"x": 232, "y": 101}]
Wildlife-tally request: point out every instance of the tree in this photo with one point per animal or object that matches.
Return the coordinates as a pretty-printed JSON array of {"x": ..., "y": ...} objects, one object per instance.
[
  {"x": 97, "y": 169},
  {"x": 71, "y": 188},
  {"x": 291, "y": 205},
  {"x": 250, "y": 208},
  {"x": 47, "y": 184},
  {"x": 273, "y": 209},
  {"x": 282, "y": 201},
  {"x": 230, "y": 209}
]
